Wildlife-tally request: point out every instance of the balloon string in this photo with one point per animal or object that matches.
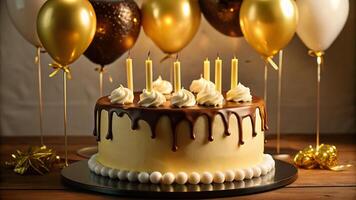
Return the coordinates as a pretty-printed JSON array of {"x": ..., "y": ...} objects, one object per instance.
[
  {"x": 265, "y": 83},
  {"x": 272, "y": 63},
  {"x": 66, "y": 75},
  {"x": 280, "y": 57},
  {"x": 101, "y": 70},
  {"x": 101, "y": 82},
  {"x": 65, "y": 117},
  {"x": 319, "y": 60},
  {"x": 40, "y": 97}
]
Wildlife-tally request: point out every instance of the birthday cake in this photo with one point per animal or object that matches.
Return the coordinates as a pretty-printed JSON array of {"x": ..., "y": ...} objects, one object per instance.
[{"x": 197, "y": 136}]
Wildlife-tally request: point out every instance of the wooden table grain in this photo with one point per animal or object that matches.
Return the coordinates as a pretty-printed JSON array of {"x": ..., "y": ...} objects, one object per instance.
[{"x": 311, "y": 184}]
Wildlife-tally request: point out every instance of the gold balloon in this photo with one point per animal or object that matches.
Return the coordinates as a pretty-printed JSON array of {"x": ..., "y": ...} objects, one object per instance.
[
  {"x": 268, "y": 25},
  {"x": 171, "y": 24},
  {"x": 66, "y": 28}
]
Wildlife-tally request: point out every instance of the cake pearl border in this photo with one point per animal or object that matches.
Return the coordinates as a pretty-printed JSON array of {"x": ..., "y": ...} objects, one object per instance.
[{"x": 168, "y": 178}]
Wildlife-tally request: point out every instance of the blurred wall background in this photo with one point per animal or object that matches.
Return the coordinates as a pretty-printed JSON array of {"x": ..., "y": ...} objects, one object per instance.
[{"x": 18, "y": 84}]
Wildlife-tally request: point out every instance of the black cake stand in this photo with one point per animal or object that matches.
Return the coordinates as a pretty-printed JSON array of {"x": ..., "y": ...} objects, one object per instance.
[{"x": 78, "y": 176}]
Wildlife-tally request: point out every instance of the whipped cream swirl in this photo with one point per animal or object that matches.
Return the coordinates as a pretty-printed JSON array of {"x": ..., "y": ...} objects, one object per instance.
[
  {"x": 162, "y": 86},
  {"x": 239, "y": 94},
  {"x": 151, "y": 99},
  {"x": 121, "y": 95},
  {"x": 183, "y": 98},
  {"x": 198, "y": 85},
  {"x": 209, "y": 96}
]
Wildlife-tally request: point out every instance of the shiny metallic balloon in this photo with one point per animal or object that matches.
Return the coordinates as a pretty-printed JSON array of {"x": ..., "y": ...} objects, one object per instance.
[
  {"x": 23, "y": 14},
  {"x": 223, "y": 15},
  {"x": 66, "y": 28},
  {"x": 118, "y": 27},
  {"x": 268, "y": 26},
  {"x": 171, "y": 24}
]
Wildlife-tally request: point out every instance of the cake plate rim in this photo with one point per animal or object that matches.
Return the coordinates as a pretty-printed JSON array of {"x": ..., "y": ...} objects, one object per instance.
[{"x": 77, "y": 175}]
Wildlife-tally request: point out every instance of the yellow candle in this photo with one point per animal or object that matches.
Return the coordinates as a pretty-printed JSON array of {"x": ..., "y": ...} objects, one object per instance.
[
  {"x": 218, "y": 73},
  {"x": 176, "y": 71},
  {"x": 207, "y": 69},
  {"x": 234, "y": 72},
  {"x": 149, "y": 74},
  {"x": 129, "y": 73}
]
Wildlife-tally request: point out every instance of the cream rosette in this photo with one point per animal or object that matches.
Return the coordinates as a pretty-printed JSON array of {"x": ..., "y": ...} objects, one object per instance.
[
  {"x": 151, "y": 99},
  {"x": 198, "y": 85},
  {"x": 209, "y": 96},
  {"x": 240, "y": 93},
  {"x": 121, "y": 95},
  {"x": 183, "y": 98},
  {"x": 162, "y": 86}
]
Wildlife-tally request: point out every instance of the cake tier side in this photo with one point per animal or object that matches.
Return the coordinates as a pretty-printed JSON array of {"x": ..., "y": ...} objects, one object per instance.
[{"x": 145, "y": 149}]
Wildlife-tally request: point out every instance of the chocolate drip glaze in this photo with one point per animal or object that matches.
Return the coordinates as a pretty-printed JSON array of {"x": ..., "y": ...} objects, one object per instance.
[{"x": 178, "y": 115}]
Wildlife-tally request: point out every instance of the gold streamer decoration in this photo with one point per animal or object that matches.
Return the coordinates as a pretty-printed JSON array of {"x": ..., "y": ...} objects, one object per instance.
[
  {"x": 323, "y": 157},
  {"x": 37, "y": 160},
  {"x": 58, "y": 67}
]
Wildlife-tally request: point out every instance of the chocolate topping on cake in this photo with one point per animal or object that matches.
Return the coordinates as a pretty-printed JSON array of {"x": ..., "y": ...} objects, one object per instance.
[{"x": 176, "y": 115}]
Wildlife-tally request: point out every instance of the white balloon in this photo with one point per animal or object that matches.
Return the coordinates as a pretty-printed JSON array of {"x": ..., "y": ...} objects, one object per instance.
[
  {"x": 23, "y": 14},
  {"x": 321, "y": 21}
]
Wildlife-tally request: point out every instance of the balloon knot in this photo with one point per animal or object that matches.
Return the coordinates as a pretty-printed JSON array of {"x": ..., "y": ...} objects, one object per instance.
[{"x": 58, "y": 67}]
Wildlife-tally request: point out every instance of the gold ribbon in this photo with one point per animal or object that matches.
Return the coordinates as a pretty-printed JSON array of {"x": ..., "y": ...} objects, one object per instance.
[
  {"x": 167, "y": 56},
  {"x": 58, "y": 67},
  {"x": 271, "y": 62},
  {"x": 35, "y": 160},
  {"x": 323, "y": 157}
]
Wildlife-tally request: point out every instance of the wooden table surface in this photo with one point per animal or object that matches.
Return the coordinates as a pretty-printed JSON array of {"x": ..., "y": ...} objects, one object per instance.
[{"x": 311, "y": 184}]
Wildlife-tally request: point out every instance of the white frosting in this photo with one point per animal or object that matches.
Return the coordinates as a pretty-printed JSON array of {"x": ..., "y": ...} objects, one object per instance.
[
  {"x": 132, "y": 176},
  {"x": 143, "y": 177},
  {"x": 263, "y": 171},
  {"x": 183, "y": 98},
  {"x": 206, "y": 178},
  {"x": 229, "y": 175},
  {"x": 104, "y": 171},
  {"x": 162, "y": 86},
  {"x": 181, "y": 178},
  {"x": 239, "y": 175},
  {"x": 239, "y": 94},
  {"x": 155, "y": 177},
  {"x": 97, "y": 169},
  {"x": 209, "y": 96},
  {"x": 198, "y": 85},
  {"x": 256, "y": 171},
  {"x": 122, "y": 175},
  {"x": 219, "y": 177},
  {"x": 113, "y": 173},
  {"x": 121, "y": 95},
  {"x": 248, "y": 173},
  {"x": 194, "y": 178},
  {"x": 151, "y": 99},
  {"x": 168, "y": 178}
]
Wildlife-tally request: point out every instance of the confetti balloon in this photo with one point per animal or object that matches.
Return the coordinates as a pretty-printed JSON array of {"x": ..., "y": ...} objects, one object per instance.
[{"x": 118, "y": 27}]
